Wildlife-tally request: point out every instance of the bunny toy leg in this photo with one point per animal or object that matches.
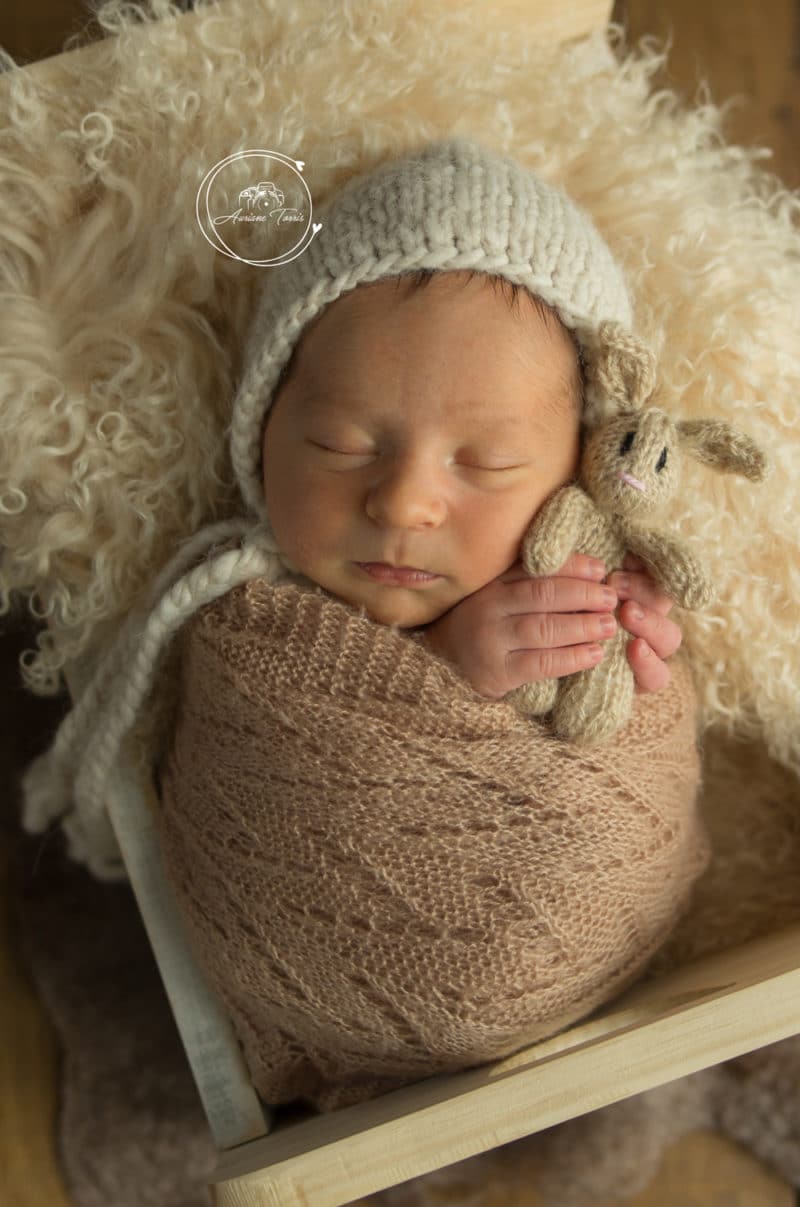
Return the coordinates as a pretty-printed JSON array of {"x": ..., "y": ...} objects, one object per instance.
[
  {"x": 535, "y": 698},
  {"x": 593, "y": 704}
]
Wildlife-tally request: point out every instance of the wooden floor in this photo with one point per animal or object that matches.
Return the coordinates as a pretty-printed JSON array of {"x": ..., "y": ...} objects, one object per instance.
[
  {"x": 742, "y": 48},
  {"x": 748, "y": 49}
]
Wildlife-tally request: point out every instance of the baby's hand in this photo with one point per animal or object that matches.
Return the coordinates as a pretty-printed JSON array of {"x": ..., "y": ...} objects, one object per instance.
[
  {"x": 658, "y": 637},
  {"x": 518, "y": 629}
]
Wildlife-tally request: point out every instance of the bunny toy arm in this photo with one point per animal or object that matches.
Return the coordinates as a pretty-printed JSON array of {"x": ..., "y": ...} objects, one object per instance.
[
  {"x": 557, "y": 530},
  {"x": 675, "y": 569}
]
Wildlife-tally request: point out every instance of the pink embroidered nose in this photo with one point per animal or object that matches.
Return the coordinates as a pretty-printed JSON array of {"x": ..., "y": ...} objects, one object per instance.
[{"x": 633, "y": 481}]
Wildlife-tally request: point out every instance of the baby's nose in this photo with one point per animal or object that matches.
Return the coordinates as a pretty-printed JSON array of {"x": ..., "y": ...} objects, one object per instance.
[{"x": 407, "y": 497}]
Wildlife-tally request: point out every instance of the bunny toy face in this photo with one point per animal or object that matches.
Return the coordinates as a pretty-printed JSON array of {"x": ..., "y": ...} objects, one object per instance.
[{"x": 631, "y": 463}]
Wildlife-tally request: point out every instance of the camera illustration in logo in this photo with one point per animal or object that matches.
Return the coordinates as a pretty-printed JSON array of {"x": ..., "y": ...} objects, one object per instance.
[{"x": 267, "y": 215}]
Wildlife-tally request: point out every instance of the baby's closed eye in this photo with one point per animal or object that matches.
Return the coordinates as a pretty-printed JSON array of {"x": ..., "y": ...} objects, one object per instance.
[
  {"x": 466, "y": 463},
  {"x": 344, "y": 452}
]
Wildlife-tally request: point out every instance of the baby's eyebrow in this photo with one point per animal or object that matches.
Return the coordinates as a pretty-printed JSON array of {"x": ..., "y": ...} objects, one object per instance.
[{"x": 490, "y": 422}]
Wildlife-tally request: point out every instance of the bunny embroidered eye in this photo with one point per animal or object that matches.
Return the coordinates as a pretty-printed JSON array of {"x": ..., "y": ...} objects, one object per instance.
[
  {"x": 627, "y": 444},
  {"x": 662, "y": 461}
]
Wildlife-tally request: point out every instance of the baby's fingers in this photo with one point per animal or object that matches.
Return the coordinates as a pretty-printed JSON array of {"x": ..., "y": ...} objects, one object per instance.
[
  {"x": 649, "y": 672},
  {"x": 659, "y": 632},
  {"x": 527, "y": 666},
  {"x": 656, "y": 638},
  {"x": 641, "y": 588}
]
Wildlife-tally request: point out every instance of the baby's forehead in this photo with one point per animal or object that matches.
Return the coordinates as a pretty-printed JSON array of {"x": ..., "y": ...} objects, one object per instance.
[{"x": 355, "y": 339}]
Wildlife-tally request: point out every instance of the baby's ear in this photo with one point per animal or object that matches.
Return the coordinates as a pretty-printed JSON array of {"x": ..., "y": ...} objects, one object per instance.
[
  {"x": 619, "y": 372},
  {"x": 723, "y": 447}
]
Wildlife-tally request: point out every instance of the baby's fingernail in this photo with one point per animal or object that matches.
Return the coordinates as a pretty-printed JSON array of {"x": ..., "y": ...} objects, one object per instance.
[
  {"x": 636, "y": 612},
  {"x": 644, "y": 650},
  {"x": 622, "y": 582}
]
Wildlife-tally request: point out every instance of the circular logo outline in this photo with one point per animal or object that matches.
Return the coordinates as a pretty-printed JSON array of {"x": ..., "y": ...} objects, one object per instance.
[{"x": 294, "y": 165}]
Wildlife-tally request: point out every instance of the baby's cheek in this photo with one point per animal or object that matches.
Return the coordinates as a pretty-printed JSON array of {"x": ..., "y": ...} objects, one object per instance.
[
  {"x": 310, "y": 529},
  {"x": 300, "y": 536},
  {"x": 495, "y": 538}
]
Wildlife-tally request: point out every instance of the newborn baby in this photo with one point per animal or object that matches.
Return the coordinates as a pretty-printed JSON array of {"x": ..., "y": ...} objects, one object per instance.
[
  {"x": 377, "y": 459},
  {"x": 387, "y": 871}
]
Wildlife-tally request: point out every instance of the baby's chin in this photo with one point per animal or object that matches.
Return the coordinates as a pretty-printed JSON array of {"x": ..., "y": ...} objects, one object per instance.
[
  {"x": 399, "y": 606},
  {"x": 403, "y": 607}
]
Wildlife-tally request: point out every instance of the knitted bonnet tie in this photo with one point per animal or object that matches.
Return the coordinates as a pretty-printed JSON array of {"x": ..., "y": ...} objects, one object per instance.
[{"x": 449, "y": 205}]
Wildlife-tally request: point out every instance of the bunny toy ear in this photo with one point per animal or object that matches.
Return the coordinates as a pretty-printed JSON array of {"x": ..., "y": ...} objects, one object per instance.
[
  {"x": 619, "y": 372},
  {"x": 723, "y": 447}
]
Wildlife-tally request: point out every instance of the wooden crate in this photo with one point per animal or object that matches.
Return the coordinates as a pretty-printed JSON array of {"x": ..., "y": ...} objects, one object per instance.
[{"x": 709, "y": 1011}]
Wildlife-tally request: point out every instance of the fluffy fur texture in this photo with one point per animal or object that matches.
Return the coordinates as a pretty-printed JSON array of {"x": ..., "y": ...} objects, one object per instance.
[{"x": 126, "y": 323}]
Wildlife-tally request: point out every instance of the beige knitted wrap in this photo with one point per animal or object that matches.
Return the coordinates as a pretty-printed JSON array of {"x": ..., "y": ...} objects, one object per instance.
[{"x": 387, "y": 875}]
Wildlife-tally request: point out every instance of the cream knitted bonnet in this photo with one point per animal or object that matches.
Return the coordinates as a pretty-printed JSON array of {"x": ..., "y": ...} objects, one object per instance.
[{"x": 451, "y": 205}]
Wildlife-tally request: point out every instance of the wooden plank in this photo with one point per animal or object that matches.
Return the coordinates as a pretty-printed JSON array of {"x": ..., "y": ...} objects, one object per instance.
[
  {"x": 233, "y": 1109},
  {"x": 747, "y": 51},
  {"x": 712, "y": 1010}
]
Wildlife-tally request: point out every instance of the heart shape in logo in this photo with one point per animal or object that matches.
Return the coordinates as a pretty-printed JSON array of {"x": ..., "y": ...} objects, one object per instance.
[
  {"x": 301, "y": 163},
  {"x": 316, "y": 226}
]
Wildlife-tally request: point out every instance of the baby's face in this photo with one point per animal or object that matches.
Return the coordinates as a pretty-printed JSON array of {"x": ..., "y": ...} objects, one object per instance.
[{"x": 418, "y": 429}]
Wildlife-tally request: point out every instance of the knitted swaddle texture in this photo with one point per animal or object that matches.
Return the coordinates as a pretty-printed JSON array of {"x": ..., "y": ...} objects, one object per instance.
[{"x": 387, "y": 875}]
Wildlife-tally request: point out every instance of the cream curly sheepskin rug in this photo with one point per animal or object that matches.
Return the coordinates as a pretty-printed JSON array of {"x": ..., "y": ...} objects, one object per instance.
[{"x": 127, "y": 326}]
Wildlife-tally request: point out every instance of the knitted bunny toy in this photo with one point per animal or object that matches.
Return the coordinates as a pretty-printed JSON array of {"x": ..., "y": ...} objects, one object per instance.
[{"x": 630, "y": 465}]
